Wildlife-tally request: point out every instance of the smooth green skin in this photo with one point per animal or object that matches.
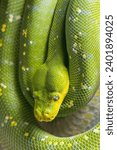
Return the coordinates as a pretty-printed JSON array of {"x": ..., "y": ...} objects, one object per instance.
[{"x": 21, "y": 131}]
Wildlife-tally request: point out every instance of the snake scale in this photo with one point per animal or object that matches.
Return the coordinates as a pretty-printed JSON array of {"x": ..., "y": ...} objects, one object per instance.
[{"x": 49, "y": 67}]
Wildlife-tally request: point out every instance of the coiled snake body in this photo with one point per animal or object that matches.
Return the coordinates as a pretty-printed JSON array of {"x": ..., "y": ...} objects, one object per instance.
[{"x": 49, "y": 57}]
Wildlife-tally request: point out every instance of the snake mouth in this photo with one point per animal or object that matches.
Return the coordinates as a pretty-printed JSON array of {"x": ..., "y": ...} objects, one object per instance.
[{"x": 42, "y": 116}]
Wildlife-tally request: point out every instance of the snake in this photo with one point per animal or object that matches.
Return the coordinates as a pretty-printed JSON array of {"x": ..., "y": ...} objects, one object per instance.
[{"x": 49, "y": 68}]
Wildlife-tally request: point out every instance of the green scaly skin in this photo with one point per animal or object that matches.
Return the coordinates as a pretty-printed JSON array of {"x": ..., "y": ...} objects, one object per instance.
[
  {"x": 19, "y": 128},
  {"x": 51, "y": 80},
  {"x": 34, "y": 38}
]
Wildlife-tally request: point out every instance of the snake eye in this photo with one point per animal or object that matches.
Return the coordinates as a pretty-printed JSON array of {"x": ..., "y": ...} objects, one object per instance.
[{"x": 56, "y": 97}]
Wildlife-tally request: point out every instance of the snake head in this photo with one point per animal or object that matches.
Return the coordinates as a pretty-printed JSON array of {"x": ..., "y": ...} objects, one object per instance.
[{"x": 50, "y": 86}]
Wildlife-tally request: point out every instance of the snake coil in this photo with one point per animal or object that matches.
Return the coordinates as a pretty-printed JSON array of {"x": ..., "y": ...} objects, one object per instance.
[{"x": 33, "y": 33}]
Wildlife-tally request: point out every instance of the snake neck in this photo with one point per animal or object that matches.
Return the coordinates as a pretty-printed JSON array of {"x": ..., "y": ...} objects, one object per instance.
[
  {"x": 51, "y": 81},
  {"x": 50, "y": 86},
  {"x": 58, "y": 58}
]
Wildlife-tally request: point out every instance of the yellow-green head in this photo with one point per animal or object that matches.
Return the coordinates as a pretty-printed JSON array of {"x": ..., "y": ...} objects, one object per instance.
[{"x": 50, "y": 86}]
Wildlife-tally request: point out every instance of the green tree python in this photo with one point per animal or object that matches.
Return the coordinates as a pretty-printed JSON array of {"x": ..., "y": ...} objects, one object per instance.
[{"x": 49, "y": 68}]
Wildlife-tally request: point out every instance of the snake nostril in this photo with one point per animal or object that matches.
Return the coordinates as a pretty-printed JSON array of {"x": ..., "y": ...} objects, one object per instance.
[{"x": 47, "y": 114}]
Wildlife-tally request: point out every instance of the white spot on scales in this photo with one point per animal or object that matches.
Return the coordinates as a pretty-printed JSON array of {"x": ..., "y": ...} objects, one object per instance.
[
  {"x": 78, "y": 10},
  {"x": 3, "y": 85},
  {"x": 31, "y": 42},
  {"x": 80, "y": 33},
  {"x": 75, "y": 45},
  {"x": 27, "y": 89},
  {"x": 11, "y": 17},
  {"x": 74, "y": 50},
  {"x": 24, "y": 53}
]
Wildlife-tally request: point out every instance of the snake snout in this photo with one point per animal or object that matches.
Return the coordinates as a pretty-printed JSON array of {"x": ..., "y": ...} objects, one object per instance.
[
  {"x": 43, "y": 115},
  {"x": 48, "y": 113}
]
